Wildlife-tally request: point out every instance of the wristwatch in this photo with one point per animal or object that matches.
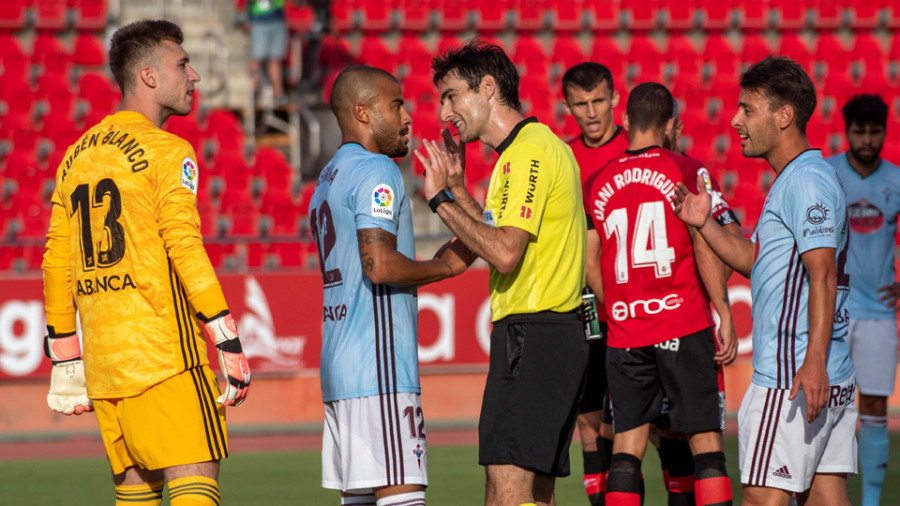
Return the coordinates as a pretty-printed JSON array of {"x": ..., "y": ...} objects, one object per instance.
[{"x": 441, "y": 197}]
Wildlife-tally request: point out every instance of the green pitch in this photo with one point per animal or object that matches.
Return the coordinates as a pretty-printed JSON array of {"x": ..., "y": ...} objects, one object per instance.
[{"x": 255, "y": 479}]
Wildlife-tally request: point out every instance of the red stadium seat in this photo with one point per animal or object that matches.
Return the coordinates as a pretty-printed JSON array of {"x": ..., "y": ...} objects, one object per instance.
[
  {"x": 455, "y": 16},
  {"x": 344, "y": 16},
  {"x": 271, "y": 164},
  {"x": 90, "y": 51},
  {"x": 226, "y": 129},
  {"x": 642, "y": 15},
  {"x": 377, "y": 17},
  {"x": 531, "y": 15},
  {"x": 283, "y": 214},
  {"x": 299, "y": 18},
  {"x": 606, "y": 51},
  {"x": 831, "y": 14},
  {"x": 867, "y": 51},
  {"x": 528, "y": 52},
  {"x": 493, "y": 15},
  {"x": 870, "y": 14},
  {"x": 412, "y": 55},
  {"x": 793, "y": 14},
  {"x": 14, "y": 14},
  {"x": 49, "y": 53},
  {"x": 682, "y": 52},
  {"x": 417, "y": 15},
  {"x": 61, "y": 130},
  {"x": 90, "y": 15},
  {"x": 604, "y": 15},
  {"x": 795, "y": 47},
  {"x": 233, "y": 169},
  {"x": 754, "y": 48},
  {"x": 13, "y": 60},
  {"x": 187, "y": 128},
  {"x": 682, "y": 16},
  {"x": 99, "y": 91},
  {"x": 51, "y": 15},
  {"x": 757, "y": 16},
  {"x": 53, "y": 90},
  {"x": 375, "y": 51},
  {"x": 242, "y": 215},
  {"x": 646, "y": 59},
  {"x": 831, "y": 51},
  {"x": 719, "y": 15},
  {"x": 567, "y": 52},
  {"x": 567, "y": 17}
]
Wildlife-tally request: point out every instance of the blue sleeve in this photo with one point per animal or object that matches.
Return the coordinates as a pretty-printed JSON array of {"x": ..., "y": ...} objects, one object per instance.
[
  {"x": 815, "y": 212},
  {"x": 376, "y": 199}
]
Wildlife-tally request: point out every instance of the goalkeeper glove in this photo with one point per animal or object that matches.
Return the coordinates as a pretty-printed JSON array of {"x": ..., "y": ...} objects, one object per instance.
[
  {"x": 67, "y": 394},
  {"x": 221, "y": 330}
]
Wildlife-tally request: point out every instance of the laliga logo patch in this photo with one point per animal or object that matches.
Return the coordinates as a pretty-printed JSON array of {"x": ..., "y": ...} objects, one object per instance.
[
  {"x": 383, "y": 202},
  {"x": 189, "y": 174},
  {"x": 817, "y": 214}
]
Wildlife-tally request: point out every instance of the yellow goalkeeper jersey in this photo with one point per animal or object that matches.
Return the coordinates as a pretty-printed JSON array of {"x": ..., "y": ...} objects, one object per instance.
[{"x": 124, "y": 249}]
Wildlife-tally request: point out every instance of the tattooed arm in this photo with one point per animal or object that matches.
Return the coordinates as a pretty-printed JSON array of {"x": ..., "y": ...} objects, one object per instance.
[{"x": 383, "y": 264}]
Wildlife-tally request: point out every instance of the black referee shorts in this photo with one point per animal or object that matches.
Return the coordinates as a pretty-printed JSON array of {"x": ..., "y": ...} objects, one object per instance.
[
  {"x": 595, "y": 395},
  {"x": 537, "y": 372},
  {"x": 682, "y": 370}
]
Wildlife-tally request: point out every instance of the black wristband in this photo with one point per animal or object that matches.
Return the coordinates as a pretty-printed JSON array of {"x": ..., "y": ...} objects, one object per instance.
[{"x": 441, "y": 197}]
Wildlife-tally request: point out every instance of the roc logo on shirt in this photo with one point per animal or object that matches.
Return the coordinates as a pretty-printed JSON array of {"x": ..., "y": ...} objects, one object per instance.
[{"x": 383, "y": 202}]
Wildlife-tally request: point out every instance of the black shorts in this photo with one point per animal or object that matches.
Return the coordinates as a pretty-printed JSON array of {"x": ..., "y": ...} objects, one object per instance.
[
  {"x": 538, "y": 364},
  {"x": 594, "y": 398},
  {"x": 683, "y": 370}
]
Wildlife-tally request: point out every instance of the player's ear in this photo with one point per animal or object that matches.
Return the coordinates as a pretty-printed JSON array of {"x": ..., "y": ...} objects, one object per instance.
[
  {"x": 488, "y": 87},
  {"x": 361, "y": 113},
  {"x": 615, "y": 99},
  {"x": 148, "y": 76},
  {"x": 565, "y": 104},
  {"x": 625, "y": 124},
  {"x": 669, "y": 126},
  {"x": 784, "y": 117}
]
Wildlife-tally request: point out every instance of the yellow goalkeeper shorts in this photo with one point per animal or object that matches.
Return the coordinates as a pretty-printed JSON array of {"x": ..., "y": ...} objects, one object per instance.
[{"x": 175, "y": 422}]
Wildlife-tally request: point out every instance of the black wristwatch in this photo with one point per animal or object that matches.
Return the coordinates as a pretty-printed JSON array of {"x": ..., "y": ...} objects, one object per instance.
[{"x": 441, "y": 197}]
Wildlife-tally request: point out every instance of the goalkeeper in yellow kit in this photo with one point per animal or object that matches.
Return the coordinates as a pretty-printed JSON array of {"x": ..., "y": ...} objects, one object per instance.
[{"x": 124, "y": 249}]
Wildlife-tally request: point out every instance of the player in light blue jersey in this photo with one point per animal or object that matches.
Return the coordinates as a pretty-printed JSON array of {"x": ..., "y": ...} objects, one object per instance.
[
  {"x": 797, "y": 420},
  {"x": 373, "y": 447},
  {"x": 872, "y": 187}
]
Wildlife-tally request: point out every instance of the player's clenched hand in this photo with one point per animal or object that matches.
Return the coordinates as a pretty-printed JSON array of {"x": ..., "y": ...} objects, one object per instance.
[
  {"x": 67, "y": 394},
  {"x": 813, "y": 379},
  {"x": 221, "y": 330},
  {"x": 891, "y": 295},
  {"x": 692, "y": 208},
  {"x": 727, "y": 349}
]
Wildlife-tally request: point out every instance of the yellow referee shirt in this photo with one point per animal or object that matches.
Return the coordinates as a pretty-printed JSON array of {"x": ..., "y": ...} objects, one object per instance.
[
  {"x": 124, "y": 248},
  {"x": 536, "y": 187}
]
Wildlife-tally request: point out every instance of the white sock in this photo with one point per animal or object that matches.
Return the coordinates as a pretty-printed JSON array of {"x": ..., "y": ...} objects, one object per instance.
[{"x": 407, "y": 499}]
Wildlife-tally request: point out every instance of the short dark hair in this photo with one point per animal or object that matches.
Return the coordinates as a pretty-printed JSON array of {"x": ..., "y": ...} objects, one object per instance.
[
  {"x": 587, "y": 76},
  {"x": 476, "y": 59},
  {"x": 784, "y": 82},
  {"x": 864, "y": 110},
  {"x": 649, "y": 106},
  {"x": 135, "y": 42}
]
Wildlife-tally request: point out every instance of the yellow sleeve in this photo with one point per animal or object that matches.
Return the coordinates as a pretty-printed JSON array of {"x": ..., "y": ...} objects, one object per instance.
[
  {"x": 527, "y": 186},
  {"x": 179, "y": 227},
  {"x": 59, "y": 301}
]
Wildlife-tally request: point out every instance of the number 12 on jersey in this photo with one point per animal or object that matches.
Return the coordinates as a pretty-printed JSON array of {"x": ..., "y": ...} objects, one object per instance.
[{"x": 649, "y": 243}]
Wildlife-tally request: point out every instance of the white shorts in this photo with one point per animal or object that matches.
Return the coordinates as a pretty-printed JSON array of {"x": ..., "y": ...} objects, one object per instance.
[
  {"x": 873, "y": 350},
  {"x": 372, "y": 442},
  {"x": 779, "y": 449}
]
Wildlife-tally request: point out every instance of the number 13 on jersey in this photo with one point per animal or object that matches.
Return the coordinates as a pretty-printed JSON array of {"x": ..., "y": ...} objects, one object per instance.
[{"x": 649, "y": 242}]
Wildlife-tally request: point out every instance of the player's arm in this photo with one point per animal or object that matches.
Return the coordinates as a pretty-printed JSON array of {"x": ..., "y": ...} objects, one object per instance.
[
  {"x": 179, "y": 227},
  {"x": 67, "y": 394},
  {"x": 501, "y": 247},
  {"x": 714, "y": 276},
  {"x": 812, "y": 375},
  {"x": 693, "y": 208},
  {"x": 383, "y": 264},
  {"x": 592, "y": 264}
]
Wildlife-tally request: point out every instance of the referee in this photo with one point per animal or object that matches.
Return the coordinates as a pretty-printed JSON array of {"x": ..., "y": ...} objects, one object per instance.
[{"x": 532, "y": 233}]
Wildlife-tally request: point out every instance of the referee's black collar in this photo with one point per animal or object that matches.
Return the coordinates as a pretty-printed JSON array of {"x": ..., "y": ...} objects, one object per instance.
[
  {"x": 630, "y": 152},
  {"x": 512, "y": 135}
]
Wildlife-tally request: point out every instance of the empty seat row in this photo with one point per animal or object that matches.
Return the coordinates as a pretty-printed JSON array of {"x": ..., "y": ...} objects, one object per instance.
[{"x": 53, "y": 15}]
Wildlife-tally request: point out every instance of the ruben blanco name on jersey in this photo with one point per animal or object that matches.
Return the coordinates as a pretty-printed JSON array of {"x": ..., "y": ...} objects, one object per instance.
[
  {"x": 650, "y": 281},
  {"x": 873, "y": 204},
  {"x": 805, "y": 210},
  {"x": 369, "y": 331}
]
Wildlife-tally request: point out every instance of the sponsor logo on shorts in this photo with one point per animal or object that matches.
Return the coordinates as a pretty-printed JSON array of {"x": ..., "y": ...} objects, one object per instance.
[
  {"x": 419, "y": 452},
  {"x": 782, "y": 472},
  {"x": 622, "y": 311},
  {"x": 839, "y": 396},
  {"x": 383, "y": 201},
  {"x": 671, "y": 345}
]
